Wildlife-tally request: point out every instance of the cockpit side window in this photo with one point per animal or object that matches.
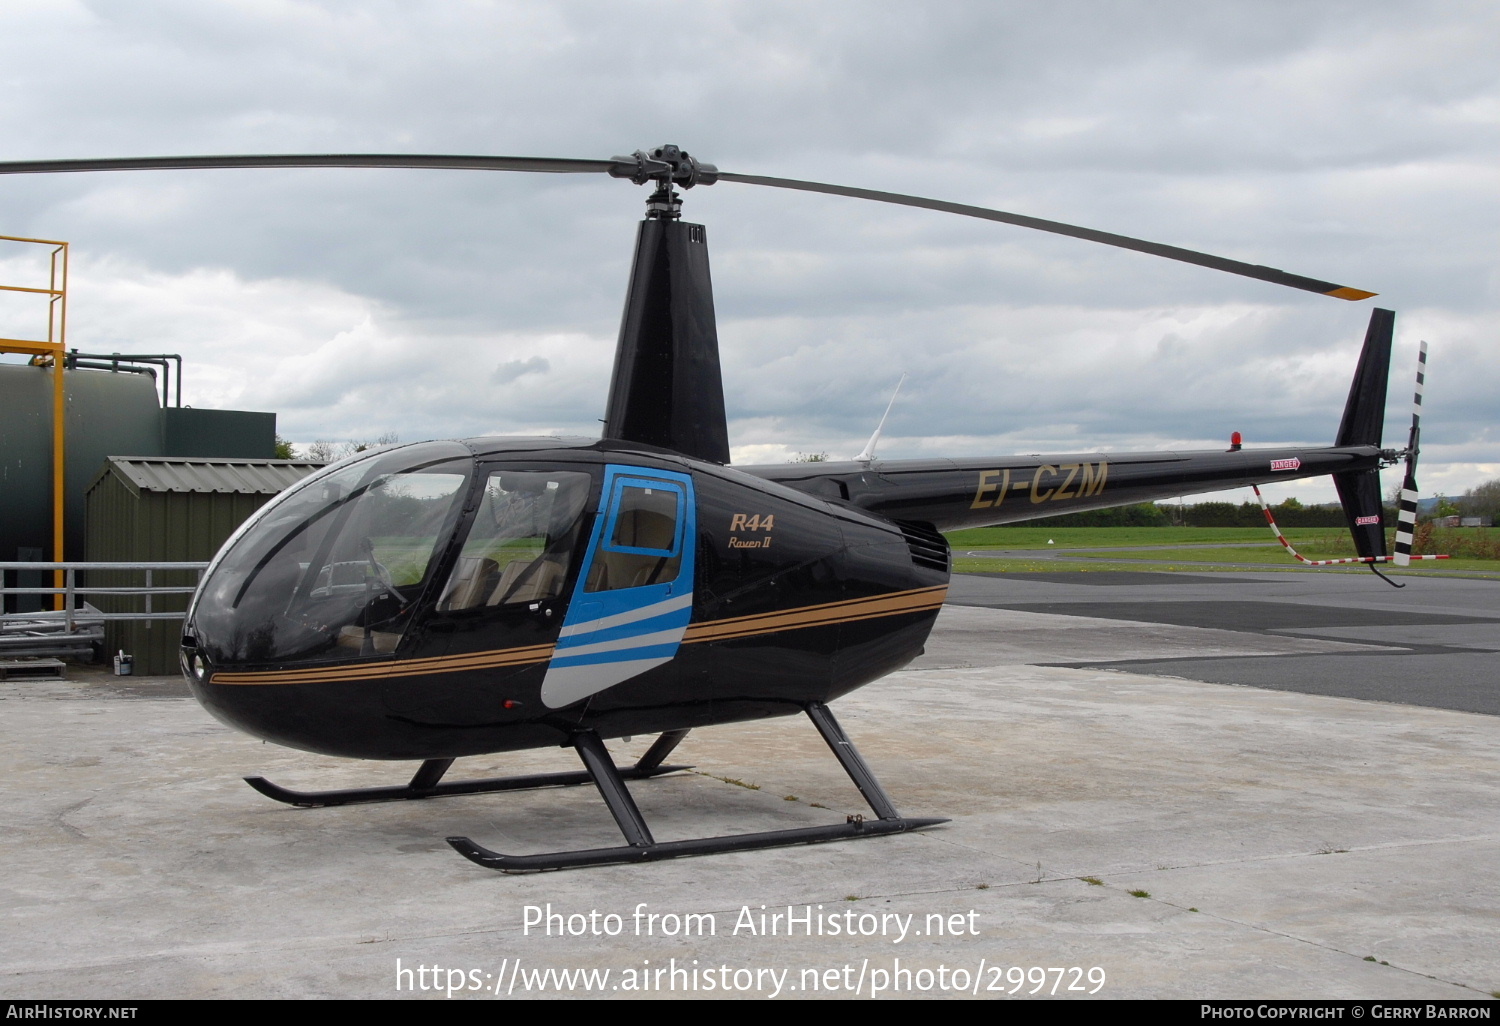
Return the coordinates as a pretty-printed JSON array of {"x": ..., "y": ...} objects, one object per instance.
[{"x": 520, "y": 546}]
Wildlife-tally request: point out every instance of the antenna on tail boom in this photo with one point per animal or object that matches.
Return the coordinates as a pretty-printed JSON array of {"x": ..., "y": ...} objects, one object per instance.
[{"x": 868, "y": 452}]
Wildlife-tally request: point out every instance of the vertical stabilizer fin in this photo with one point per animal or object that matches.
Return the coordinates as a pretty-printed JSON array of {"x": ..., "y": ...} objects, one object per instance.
[
  {"x": 1364, "y": 417},
  {"x": 1364, "y": 413},
  {"x": 667, "y": 389},
  {"x": 1360, "y": 495}
]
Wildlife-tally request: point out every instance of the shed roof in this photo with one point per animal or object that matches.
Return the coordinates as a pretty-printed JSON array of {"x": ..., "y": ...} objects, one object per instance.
[{"x": 191, "y": 474}]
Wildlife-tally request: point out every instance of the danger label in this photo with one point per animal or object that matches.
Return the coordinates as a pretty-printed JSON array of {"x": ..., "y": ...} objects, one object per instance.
[
  {"x": 1291, "y": 464},
  {"x": 1362, "y": 521}
]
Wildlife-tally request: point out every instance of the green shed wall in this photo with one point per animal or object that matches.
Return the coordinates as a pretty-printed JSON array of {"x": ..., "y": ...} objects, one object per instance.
[{"x": 146, "y": 527}]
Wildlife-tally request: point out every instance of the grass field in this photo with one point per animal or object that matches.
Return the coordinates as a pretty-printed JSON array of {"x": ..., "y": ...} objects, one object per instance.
[
  {"x": 1097, "y": 537},
  {"x": 1202, "y": 548}
]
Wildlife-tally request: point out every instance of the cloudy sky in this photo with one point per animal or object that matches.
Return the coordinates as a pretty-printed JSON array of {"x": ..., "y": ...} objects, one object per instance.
[{"x": 1354, "y": 142}]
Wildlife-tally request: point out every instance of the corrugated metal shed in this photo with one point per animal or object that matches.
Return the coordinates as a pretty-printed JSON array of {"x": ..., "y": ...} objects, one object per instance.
[
  {"x": 164, "y": 509},
  {"x": 185, "y": 474}
]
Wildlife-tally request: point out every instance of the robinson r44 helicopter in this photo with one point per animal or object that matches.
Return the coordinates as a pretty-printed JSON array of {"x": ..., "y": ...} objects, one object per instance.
[{"x": 453, "y": 598}]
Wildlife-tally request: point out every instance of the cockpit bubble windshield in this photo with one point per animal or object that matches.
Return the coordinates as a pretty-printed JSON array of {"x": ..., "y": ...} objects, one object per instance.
[{"x": 334, "y": 567}]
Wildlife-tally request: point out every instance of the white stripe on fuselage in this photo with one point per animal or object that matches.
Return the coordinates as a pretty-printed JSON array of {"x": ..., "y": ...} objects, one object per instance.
[
  {"x": 670, "y": 605},
  {"x": 667, "y": 637}
]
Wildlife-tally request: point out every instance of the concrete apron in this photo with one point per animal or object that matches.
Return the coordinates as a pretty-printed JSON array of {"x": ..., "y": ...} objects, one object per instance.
[{"x": 1279, "y": 842}]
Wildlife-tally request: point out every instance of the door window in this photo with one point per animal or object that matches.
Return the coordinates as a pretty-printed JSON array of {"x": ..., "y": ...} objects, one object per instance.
[{"x": 642, "y": 542}]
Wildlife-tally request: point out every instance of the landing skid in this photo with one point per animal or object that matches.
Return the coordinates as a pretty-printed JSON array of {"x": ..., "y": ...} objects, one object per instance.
[
  {"x": 426, "y": 783},
  {"x": 642, "y": 847}
]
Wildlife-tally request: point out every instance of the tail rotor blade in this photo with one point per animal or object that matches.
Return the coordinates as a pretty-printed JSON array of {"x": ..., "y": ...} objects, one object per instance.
[{"x": 1407, "y": 520}]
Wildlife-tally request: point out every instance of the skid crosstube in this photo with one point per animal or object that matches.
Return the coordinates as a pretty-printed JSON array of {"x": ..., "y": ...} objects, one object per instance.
[
  {"x": 642, "y": 847},
  {"x": 426, "y": 783}
]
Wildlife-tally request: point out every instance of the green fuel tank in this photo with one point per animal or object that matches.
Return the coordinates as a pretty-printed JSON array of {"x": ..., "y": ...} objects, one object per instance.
[{"x": 109, "y": 414}]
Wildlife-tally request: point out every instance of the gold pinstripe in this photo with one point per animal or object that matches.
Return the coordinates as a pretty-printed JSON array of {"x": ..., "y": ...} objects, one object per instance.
[
  {"x": 402, "y": 668},
  {"x": 847, "y": 611},
  {"x": 818, "y": 616}
]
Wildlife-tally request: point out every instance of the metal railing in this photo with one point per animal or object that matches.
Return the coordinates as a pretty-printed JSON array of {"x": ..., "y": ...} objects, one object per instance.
[{"x": 71, "y": 590}]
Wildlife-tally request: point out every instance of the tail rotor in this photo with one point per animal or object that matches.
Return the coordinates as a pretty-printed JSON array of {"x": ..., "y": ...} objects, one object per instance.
[
  {"x": 1360, "y": 491},
  {"x": 1406, "y": 521}
]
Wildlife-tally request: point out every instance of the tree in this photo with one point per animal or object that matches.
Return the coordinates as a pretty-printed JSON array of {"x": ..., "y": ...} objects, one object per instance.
[
  {"x": 1482, "y": 500},
  {"x": 331, "y": 452},
  {"x": 810, "y": 457},
  {"x": 284, "y": 450}
]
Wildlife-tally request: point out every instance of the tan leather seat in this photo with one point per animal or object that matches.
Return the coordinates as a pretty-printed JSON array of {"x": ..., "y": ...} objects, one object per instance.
[
  {"x": 354, "y": 637},
  {"x": 644, "y": 529},
  {"x": 638, "y": 529},
  {"x": 467, "y": 586},
  {"x": 543, "y": 579}
]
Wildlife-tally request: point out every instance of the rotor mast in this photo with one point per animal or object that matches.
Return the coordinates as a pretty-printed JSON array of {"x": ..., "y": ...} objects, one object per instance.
[{"x": 667, "y": 388}]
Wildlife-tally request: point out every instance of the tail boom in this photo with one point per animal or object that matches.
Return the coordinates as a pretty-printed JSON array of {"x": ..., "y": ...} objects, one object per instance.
[{"x": 954, "y": 494}]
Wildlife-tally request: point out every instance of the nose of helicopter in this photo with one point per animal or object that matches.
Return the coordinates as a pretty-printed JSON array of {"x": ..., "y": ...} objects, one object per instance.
[{"x": 339, "y": 720}]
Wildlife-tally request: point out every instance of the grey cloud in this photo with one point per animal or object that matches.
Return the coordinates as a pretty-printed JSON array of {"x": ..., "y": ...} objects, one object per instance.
[{"x": 513, "y": 369}]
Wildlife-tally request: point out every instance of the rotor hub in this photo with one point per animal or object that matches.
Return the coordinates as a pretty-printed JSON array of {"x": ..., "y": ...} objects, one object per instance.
[{"x": 668, "y": 165}]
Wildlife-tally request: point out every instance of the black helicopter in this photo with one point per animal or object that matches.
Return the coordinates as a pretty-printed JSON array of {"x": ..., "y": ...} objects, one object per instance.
[{"x": 453, "y": 598}]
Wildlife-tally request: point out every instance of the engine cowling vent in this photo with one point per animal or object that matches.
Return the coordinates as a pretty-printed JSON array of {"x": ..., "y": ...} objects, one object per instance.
[{"x": 927, "y": 546}]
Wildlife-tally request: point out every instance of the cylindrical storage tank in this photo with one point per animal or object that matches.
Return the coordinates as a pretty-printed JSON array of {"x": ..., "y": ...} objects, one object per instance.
[{"x": 109, "y": 414}]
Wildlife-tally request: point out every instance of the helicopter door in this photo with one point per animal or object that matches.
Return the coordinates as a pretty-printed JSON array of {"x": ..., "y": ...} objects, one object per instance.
[{"x": 634, "y": 594}]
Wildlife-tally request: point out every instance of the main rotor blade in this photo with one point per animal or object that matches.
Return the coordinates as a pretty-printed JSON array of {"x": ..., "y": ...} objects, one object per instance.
[
  {"x": 554, "y": 165},
  {"x": 626, "y": 167},
  {"x": 1270, "y": 274}
]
